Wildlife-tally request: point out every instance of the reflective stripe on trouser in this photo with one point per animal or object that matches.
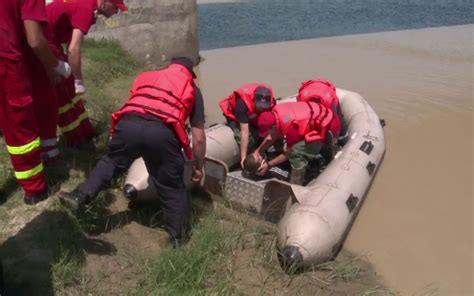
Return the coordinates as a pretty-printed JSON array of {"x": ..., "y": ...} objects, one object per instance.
[
  {"x": 46, "y": 105},
  {"x": 24, "y": 159},
  {"x": 73, "y": 120},
  {"x": 49, "y": 148},
  {"x": 20, "y": 127}
]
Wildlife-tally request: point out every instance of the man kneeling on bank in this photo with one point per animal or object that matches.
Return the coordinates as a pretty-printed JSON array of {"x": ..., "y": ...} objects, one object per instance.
[{"x": 151, "y": 125}]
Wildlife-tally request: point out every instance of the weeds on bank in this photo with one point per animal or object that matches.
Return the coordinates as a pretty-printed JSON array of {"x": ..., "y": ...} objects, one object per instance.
[
  {"x": 347, "y": 270},
  {"x": 106, "y": 60},
  {"x": 66, "y": 271},
  {"x": 377, "y": 291},
  {"x": 188, "y": 269}
]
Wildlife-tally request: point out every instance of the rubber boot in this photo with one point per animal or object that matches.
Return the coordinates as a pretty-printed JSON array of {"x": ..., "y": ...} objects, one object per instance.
[{"x": 297, "y": 175}]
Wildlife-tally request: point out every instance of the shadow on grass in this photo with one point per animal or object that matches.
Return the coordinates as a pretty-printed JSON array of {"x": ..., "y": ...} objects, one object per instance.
[
  {"x": 36, "y": 261},
  {"x": 6, "y": 191},
  {"x": 99, "y": 219}
]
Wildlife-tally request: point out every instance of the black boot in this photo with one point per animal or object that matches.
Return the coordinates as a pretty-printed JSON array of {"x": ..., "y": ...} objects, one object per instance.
[
  {"x": 32, "y": 199},
  {"x": 176, "y": 242},
  {"x": 75, "y": 200}
]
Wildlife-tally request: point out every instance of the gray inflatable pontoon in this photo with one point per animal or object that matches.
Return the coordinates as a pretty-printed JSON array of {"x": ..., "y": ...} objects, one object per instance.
[{"x": 313, "y": 220}]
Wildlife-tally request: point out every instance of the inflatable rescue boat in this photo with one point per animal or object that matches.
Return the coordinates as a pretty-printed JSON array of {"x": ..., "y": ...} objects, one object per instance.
[{"x": 313, "y": 220}]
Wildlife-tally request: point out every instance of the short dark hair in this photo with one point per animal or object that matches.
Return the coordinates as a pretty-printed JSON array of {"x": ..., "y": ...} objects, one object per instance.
[
  {"x": 263, "y": 98},
  {"x": 251, "y": 164},
  {"x": 185, "y": 62}
]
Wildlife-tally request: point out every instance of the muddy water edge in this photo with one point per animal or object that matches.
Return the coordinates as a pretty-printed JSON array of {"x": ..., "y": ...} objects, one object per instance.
[{"x": 416, "y": 223}]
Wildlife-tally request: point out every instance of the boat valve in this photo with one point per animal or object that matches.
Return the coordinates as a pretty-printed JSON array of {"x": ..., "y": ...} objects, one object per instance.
[
  {"x": 130, "y": 191},
  {"x": 291, "y": 259}
]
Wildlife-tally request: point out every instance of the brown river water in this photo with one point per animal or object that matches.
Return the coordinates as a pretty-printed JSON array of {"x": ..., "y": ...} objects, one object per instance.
[{"x": 416, "y": 224}]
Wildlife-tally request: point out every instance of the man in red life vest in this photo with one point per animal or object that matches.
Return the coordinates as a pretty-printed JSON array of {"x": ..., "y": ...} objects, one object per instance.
[
  {"x": 151, "y": 125},
  {"x": 69, "y": 21},
  {"x": 241, "y": 110},
  {"x": 21, "y": 38},
  {"x": 324, "y": 92},
  {"x": 306, "y": 127}
]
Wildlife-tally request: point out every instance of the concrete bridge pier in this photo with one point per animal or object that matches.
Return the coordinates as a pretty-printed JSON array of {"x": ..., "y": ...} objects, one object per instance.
[{"x": 154, "y": 31}]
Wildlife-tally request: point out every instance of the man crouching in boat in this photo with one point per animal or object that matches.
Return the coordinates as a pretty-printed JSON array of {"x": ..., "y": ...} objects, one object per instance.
[
  {"x": 242, "y": 109},
  {"x": 324, "y": 92},
  {"x": 308, "y": 129}
]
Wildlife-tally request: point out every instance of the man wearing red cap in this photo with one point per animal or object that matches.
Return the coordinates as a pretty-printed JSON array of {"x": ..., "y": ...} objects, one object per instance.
[
  {"x": 241, "y": 110},
  {"x": 22, "y": 39},
  {"x": 308, "y": 129},
  {"x": 69, "y": 21}
]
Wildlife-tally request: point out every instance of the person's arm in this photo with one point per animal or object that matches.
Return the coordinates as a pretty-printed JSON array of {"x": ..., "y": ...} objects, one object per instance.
[
  {"x": 266, "y": 165},
  {"x": 197, "y": 121},
  {"x": 268, "y": 141},
  {"x": 38, "y": 43},
  {"x": 199, "y": 151},
  {"x": 74, "y": 53},
  {"x": 244, "y": 142},
  {"x": 74, "y": 58}
]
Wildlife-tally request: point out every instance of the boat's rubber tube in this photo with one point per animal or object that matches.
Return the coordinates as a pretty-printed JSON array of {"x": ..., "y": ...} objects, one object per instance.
[
  {"x": 221, "y": 152},
  {"x": 314, "y": 227}
]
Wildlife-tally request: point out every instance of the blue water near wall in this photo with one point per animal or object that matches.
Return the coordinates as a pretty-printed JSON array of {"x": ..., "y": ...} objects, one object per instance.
[{"x": 261, "y": 21}]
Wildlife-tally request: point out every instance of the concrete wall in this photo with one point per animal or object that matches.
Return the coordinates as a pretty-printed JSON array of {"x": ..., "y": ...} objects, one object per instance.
[{"x": 154, "y": 30}]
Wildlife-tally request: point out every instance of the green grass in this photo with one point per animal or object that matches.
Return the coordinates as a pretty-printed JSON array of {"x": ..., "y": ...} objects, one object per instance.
[
  {"x": 106, "y": 60},
  {"x": 377, "y": 291},
  {"x": 188, "y": 269},
  {"x": 66, "y": 271}
]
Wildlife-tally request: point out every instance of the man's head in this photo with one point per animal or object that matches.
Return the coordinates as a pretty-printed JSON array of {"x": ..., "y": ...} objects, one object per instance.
[
  {"x": 263, "y": 98},
  {"x": 252, "y": 162},
  {"x": 110, "y": 7},
  {"x": 186, "y": 62},
  {"x": 266, "y": 121}
]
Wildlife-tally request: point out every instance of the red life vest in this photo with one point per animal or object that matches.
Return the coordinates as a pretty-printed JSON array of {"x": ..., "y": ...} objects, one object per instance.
[
  {"x": 168, "y": 94},
  {"x": 246, "y": 93},
  {"x": 320, "y": 91},
  {"x": 312, "y": 119}
]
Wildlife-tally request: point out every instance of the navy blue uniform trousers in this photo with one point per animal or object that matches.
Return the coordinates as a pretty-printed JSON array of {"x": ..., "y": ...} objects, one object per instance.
[{"x": 160, "y": 148}]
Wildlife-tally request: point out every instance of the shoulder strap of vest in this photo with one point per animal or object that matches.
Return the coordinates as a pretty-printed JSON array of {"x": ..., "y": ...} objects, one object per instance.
[
  {"x": 318, "y": 119},
  {"x": 311, "y": 116}
]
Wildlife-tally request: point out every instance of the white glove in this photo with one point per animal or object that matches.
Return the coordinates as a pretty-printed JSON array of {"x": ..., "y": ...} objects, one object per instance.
[
  {"x": 63, "y": 69},
  {"x": 80, "y": 87}
]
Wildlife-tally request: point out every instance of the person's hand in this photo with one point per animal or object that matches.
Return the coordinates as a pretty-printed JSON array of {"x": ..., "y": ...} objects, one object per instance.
[
  {"x": 263, "y": 169},
  {"x": 63, "y": 69},
  {"x": 197, "y": 174},
  {"x": 59, "y": 73},
  {"x": 80, "y": 87},
  {"x": 242, "y": 160}
]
